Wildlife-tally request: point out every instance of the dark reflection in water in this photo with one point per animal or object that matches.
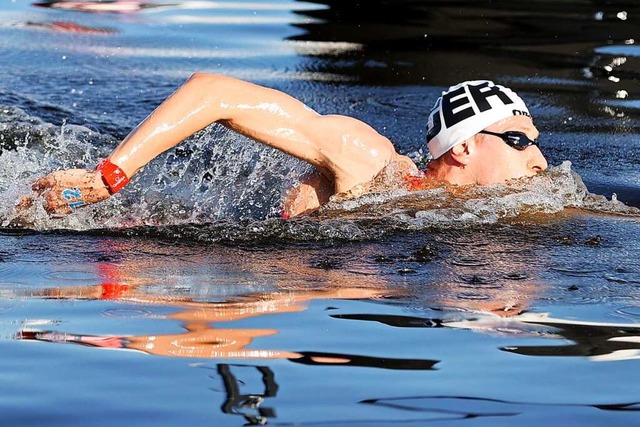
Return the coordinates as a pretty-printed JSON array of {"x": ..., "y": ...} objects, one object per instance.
[
  {"x": 578, "y": 51},
  {"x": 467, "y": 23},
  {"x": 248, "y": 405},
  {"x": 600, "y": 341},
  {"x": 448, "y": 407},
  {"x": 328, "y": 359}
]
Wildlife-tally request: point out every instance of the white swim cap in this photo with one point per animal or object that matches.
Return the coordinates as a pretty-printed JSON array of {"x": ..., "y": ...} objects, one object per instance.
[{"x": 466, "y": 109}]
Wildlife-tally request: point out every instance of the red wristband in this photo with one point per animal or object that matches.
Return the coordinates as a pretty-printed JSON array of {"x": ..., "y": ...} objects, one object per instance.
[{"x": 114, "y": 177}]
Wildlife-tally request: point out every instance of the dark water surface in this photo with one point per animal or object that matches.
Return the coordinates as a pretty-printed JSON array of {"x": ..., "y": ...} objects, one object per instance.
[{"x": 516, "y": 304}]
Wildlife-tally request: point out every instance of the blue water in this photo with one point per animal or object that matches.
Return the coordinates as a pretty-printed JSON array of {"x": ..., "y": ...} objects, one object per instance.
[
  {"x": 186, "y": 300},
  {"x": 417, "y": 343}
]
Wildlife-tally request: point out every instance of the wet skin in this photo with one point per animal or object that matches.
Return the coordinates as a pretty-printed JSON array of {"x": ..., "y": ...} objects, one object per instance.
[
  {"x": 345, "y": 151},
  {"x": 498, "y": 162},
  {"x": 487, "y": 159}
]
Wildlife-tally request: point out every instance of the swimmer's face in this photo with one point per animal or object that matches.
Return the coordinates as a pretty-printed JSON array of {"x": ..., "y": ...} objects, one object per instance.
[{"x": 495, "y": 161}]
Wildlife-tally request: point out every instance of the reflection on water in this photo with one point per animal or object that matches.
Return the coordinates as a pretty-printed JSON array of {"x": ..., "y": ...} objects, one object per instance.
[
  {"x": 69, "y": 27},
  {"x": 446, "y": 408},
  {"x": 248, "y": 405},
  {"x": 197, "y": 312},
  {"x": 224, "y": 309},
  {"x": 598, "y": 341},
  {"x": 100, "y": 6}
]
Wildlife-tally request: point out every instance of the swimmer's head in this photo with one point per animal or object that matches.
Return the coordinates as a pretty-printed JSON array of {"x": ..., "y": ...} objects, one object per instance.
[{"x": 466, "y": 109}]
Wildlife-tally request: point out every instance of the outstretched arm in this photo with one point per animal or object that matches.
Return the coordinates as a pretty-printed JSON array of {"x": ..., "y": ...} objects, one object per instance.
[{"x": 346, "y": 151}]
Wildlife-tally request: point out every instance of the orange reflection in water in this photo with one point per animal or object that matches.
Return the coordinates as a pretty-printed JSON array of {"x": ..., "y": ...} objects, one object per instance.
[
  {"x": 131, "y": 282},
  {"x": 273, "y": 281}
]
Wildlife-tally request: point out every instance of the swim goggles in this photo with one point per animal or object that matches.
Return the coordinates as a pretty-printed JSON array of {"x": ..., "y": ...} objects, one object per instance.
[{"x": 515, "y": 139}]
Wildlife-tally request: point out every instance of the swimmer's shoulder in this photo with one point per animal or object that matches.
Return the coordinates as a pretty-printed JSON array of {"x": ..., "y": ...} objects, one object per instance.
[
  {"x": 406, "y": 164},
  {"x": 395, "y": 175}
]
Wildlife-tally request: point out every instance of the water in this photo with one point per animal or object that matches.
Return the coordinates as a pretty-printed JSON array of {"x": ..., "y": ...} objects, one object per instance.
[{"x": 516, "y": 303}]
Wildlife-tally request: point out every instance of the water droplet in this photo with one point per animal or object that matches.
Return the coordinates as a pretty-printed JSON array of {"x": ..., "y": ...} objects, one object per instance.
[{"x": 622, "y": 94}]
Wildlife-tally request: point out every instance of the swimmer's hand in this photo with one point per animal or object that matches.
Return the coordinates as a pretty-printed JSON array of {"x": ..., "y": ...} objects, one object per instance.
[{"x": 64, "y": 191}]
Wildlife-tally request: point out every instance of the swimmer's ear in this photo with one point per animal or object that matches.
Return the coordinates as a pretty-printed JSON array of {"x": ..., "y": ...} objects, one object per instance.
[{"x": 462, "y": 152}]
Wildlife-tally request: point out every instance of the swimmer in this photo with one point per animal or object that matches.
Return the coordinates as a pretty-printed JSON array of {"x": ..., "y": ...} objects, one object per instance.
[{"x": 478, "y": 133}]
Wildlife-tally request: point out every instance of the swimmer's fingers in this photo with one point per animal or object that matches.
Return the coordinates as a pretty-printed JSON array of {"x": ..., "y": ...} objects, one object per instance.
[
  {"x": 43, "y": 183},
  {"x": 63, "y": 192},
  {"x": 25, "y": 203},
  {"x": 55, "y": 205}
]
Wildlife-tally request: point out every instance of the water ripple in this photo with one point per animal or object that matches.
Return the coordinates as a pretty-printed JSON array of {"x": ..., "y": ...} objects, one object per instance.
[
  {"x": 469, "y": 262},
  {"x": 621, "y": 278},
  {"x": 127, "y": 313},
  {"x": 632, "y": 310},
  {"x": 72, "y": 275},
  {"x": 577, "y": 271}
]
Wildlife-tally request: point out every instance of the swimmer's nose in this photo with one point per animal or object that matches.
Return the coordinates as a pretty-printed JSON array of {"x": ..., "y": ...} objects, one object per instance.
[{"x": 537, "y": 162}]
